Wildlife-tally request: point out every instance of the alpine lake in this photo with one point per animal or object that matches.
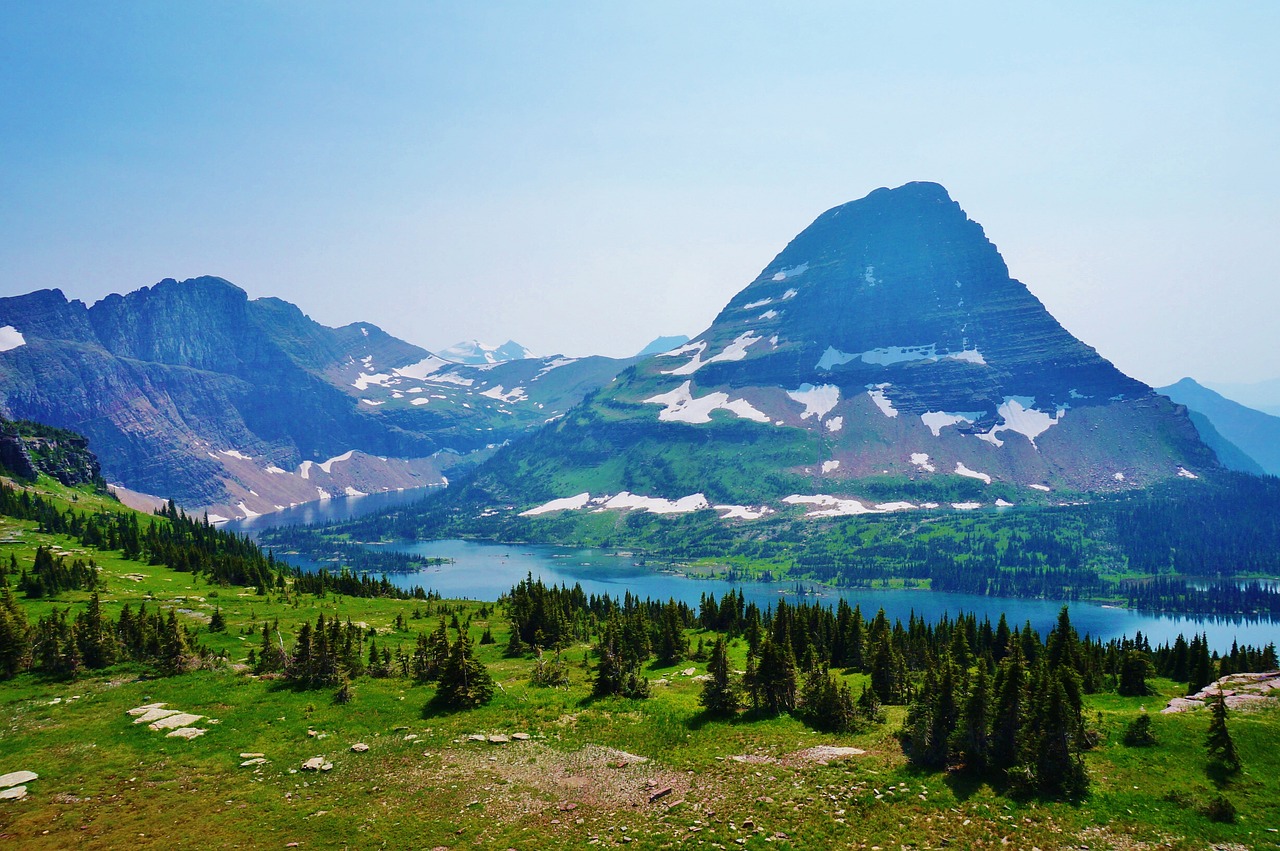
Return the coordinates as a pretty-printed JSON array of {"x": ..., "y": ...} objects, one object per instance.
[{"x": 479, "y": 570}]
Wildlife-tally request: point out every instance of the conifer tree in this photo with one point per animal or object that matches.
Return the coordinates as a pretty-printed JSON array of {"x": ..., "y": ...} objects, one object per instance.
[
  {"x": 773, "y": 681},
  {"x": 720, "y": 693},
  {"x": 464, "y": 680},
  {"x": 1009, "y": 709},
  {"x": 973, "y": 737},
  {"x": 175, "y": 653},
  {"x": 1134, "y": 670},
  {"x": 1222, "y": 750}
]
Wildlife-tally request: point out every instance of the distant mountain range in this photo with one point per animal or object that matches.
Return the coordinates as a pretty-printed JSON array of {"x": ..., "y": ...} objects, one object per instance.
[
  {"x": 1245, "y": 439},
  {"x": 192, "y": 391},
  {"x": 476, "y": 353},
  {"x": 883, "y": 360}
]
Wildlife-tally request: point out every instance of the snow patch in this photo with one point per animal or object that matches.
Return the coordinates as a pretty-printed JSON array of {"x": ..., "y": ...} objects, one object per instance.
[
  {"x": 768, "y": 314},
  {"x": 350, "y": 491},
  {"x": 735, "y": 351},
  {"x": 682, "y": 407},
  {"x": 877, "y": 394},
  {"x": 419, "y": 401},
  {"x": 921, "y": 460},
  {"x": 235, "y": 453},
  {"x": 789, "y": 294},
  {"x": 753, "y": 305},
  {"x": 327, "y": 466},
  {"x": 1020, "y": 417},
  {"x": 742, "y": 512},
  {"x": 516, "y": 394},
  {"x": 364, "y": 380},
  {"x": 938, "y": 420},
  {"x": 422, "y": 368},
  {"x": 833, "y": 357},
  {"x": 276, "y": 471},
  {"x": 830, "y": 466},
  {"x": 962, "y": 470},
  {"x": 894, "y": 506},
  {"x": 216, "y": 518},
  {"x": 657, "y": 505},
  {"x": 968, "y": 355},
  {"x": 818, "y": 401},
  {"x": 1044, "y": 488},
  {"x": 1119, "y": 477},
  {"x": 246, "y": 510},
  {"x": 835, "y": 423},
  {"x": 829, "y": 506},
  {"x": 554, "y": 364},
  {"x": 371, "y": 403},
  {"x": 966, "y": 506},
  {"x": 792, "y": 271},
  {"x": 11, "y": 338},
  {"x": 1000, "y": 503},
  {"x": 1186, "y": 474},
  {"x": 568, "y": 503}
]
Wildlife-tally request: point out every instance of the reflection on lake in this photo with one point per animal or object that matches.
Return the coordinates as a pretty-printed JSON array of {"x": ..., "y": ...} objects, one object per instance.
[{"x": 485, "y": 571}]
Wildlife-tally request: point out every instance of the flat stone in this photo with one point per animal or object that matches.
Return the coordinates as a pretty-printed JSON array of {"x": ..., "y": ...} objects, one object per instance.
[
  {"x": 17, "y": 793},
  {"x": 499, "y": 739},
  {"x": 328, "y": 766},
  {"x": 181, "y": 719},
  {"x": 251, "y": 755},
  {"x": 143, "y": 710},
  {"x": 155, "y": 715},
  {"x": 15, "y": 777},
  {"x": 411, "y": 737},
  {"x": 359, "y": 747},
  {"x": 257, "y": 760},
  {"x": 185, "y": 733},
  {"x": 689, "y": 672},
  {"x": 520, "y": 737},
  {"x": 475, "y": 737},
  {"x": 313, "y": 764}
]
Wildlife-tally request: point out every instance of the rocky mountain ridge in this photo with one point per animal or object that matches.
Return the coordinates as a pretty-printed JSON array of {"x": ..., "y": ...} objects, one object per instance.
[{"x": 193, "y": 391}]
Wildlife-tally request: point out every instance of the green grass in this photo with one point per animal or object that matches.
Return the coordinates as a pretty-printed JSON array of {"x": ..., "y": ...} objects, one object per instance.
[{"x": 107, "y": 783}]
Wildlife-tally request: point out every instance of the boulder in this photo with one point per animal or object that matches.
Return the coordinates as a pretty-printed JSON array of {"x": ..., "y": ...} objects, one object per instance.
[
  {"x": 359, "y": 747},
  {"x": 313, "y": 764},
  {"x": 15, "y": 777}
]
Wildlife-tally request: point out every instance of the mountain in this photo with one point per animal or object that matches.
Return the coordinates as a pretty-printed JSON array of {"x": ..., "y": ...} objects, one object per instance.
[
  {"x": 477, "y": 353},
  {"x": 193, "y": 391},
  {"x": 28, "y": 449},
  {"x": 1261, "y": 396},
  {"x": 884, "y": 358},
  {"x": 662, "y": 344},
  {"x": 1253, "y": 434}
]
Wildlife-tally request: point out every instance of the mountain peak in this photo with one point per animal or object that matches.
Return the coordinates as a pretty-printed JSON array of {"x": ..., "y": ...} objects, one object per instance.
[{"x": 476, "y": 353}]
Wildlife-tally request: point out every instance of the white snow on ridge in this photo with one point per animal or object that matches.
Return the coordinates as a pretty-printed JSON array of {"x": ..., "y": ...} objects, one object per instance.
[
  {"x": 938, "y": 420},
  {"x": 350, "y": 491},
  {"x": 753, "y": 305},
  {"x": 516, "y": 394},
  {"x": 372, "y": 403},
  {"x": 768, "y": 314},
  {"x": 419, "y": 401},
  {"x": 248, "y": 512},
  {"x": 555, "y": 364},
  {"x": 792, "y": 293},
  {"x": 657, "y": 505},
  {"x": 568, "y": 503},
  {"x": 898, "y": 354},
  {"x": 327, "y": 466},
  {"x": 833, "y": 357},
  {"x": 829, "y": 506},
  {"x": 883, "y": 402},
  {"x": 235, "y": 453},
  {"x": 1022, "y": 419},
  {"x": 692, "y": 346},
  {"x": 1119, "y": 477},
  {"x": 742, "y": 512},
  {"x": 216, "y": 518},
  {"x": 835, "y": 423},
  {"x": 381, "y": 379},
  {"x": 962, "y": 470},
  {"x": 682, "y": 407},
  {"x": 894, "y": 506},
  {"x": 921, "y": 460},
  {"x": 1044, "y": 488},
  {"x": 966, "y": 506},
  {"x": 792, "y": 271},
  {"x": 276, "y": 471},
  {"x": 735, "y": 351},
  {"x": 818, "y": 401},
  {"x": 970, "y": 355},
  {"x": 1186, "y": 474},
  {"x": 830, "y": 466},
  {"x": 11, "y": 338},
  {"x": 422, "y": 368}
]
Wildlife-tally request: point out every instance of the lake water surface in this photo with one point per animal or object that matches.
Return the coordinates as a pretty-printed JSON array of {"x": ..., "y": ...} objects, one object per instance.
[{"x": 485, "y": 571}]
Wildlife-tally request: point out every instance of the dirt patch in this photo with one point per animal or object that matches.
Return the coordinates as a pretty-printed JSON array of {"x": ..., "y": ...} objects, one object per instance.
[
  {"x": 822, "y": 754},
  {"x": 594, "y": 777}
]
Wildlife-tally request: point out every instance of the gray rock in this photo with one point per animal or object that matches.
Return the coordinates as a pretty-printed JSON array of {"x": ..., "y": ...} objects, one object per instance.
[
  {"x": 359, "y": 747},
  {"x": 257, "y": 760},
  {"x": 17, "y": 793},
  {"x": 313, "y": 764},
  {"x": 15, "y": 777},
  {"x": 172, "y": 722},
  {"x": 185, "y": 733}
]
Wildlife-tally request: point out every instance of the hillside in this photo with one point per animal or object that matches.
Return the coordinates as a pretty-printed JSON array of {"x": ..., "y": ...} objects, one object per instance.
[
  {"x": 592, "y": 770},
  {"x": 1253, "y": 433}
]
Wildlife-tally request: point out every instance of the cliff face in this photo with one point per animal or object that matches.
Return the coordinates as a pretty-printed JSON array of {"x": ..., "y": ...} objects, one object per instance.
[{"x": 28, "y": 449}]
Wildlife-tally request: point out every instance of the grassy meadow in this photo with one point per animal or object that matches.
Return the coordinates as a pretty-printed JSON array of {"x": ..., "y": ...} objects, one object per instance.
[{"x": 650, "y": 774}]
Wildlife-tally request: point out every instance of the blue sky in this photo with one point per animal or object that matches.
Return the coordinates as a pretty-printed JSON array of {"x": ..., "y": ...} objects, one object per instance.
[{"x": 583, "y": 177}]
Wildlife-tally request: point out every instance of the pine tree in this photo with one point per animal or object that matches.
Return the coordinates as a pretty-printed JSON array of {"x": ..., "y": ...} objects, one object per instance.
[
  {"x": 773, "y": 681},
  {"x": 1222, "y": 750},
  {"x": 720, "y": 693},
  {"x": 15, "y": 636},
  {"x": 175, "y": 653},
  {"x": 973, "y": 737},
  {"x": 464, "y": 680},
  {"x": 1009, "y": 710},
  {"x": 217, "y": 623},
  {"x": 1138, "y": 734},
  {"x": 1134, "y": 670}
]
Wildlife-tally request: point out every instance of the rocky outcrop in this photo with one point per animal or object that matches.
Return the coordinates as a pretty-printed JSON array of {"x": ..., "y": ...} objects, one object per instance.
[{"x": 28, "y": 449}]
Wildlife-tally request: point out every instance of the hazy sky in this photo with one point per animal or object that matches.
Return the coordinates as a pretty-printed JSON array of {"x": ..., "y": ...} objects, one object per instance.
[{"x": 583, "y": 177}]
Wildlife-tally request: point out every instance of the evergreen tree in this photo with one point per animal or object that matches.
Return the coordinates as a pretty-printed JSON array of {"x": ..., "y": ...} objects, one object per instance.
[
  {"x": 973, "y": 737},
  {"x": 1222, "y": 750},
  {"x": 175, "y": 652},
  {"x": 720, "y": 693},
  {"x": 464, "y": 680},
  {"x": 1009, "y": 710},
  {"x": 217, "y": 623},
  {"x": 827, "y": 703},
  {"x": 1138, "y": 734},
  {"x": 1052, "y": 757},
  {"x": 1134, "y": 670},
  {"x": 15, "y": 635},
  {"x": 772, "y": 683}
]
